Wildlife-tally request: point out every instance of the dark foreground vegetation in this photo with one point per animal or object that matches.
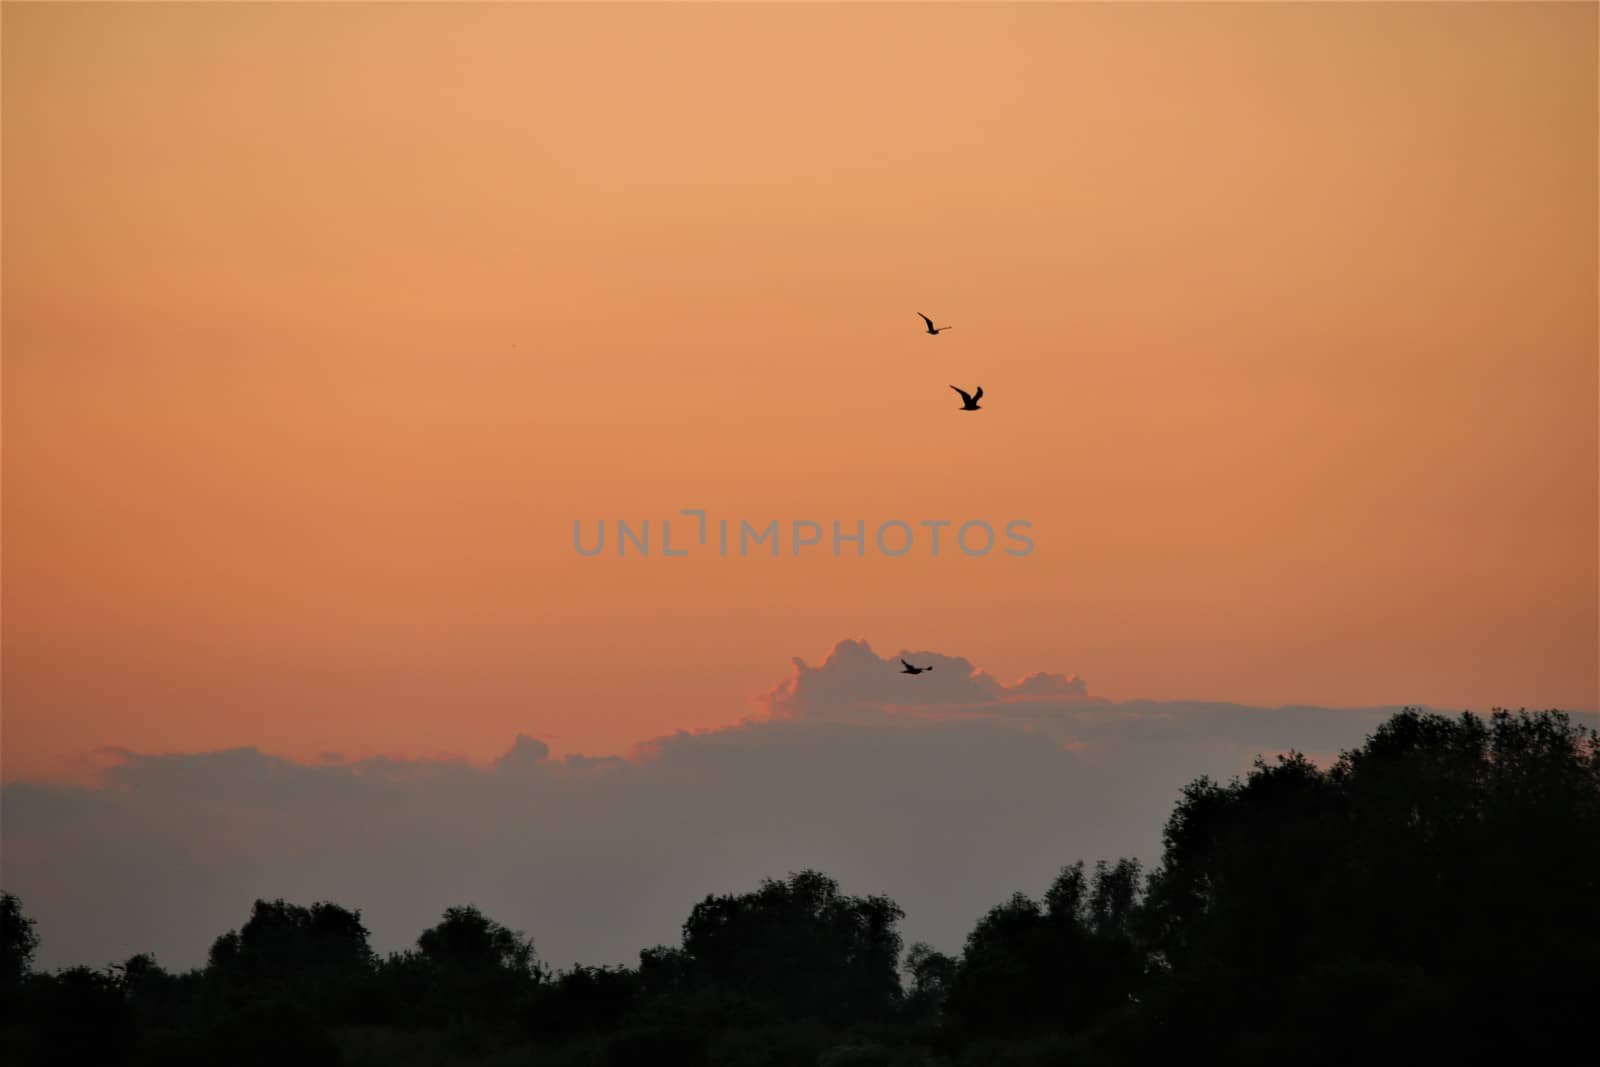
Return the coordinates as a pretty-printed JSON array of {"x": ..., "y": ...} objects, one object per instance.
[{"x": 1430, "y": 898}]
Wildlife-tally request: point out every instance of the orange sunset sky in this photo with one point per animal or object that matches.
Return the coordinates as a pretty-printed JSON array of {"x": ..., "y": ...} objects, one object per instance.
[{"x": 322, "y": 325}]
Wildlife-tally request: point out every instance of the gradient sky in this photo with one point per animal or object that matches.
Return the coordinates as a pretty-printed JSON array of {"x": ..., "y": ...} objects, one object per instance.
[{"x": 322, "y": 324}]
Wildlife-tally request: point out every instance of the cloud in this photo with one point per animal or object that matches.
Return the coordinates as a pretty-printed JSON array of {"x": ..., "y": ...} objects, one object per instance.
[
  {"x": 853, "y": 677},
  {"x": 527, "y": 756},
  {"x": 947, "y": 797}
]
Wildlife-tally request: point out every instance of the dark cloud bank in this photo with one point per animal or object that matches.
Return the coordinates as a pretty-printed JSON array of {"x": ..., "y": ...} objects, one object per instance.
[{"x": 947, "y": 791}]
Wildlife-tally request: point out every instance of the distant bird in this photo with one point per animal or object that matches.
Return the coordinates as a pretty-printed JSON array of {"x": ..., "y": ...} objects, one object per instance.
[
  {"x": 909, "y": 669},
  {"x": 969, "y": 401},
  {"x": 932, "y": 329}
]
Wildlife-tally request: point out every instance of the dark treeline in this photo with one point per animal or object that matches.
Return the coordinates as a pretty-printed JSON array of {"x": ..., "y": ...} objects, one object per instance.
[{"x": 1432, "y": 896}]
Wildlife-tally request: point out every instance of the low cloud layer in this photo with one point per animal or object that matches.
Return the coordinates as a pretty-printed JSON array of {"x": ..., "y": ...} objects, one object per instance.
[{"x": 947, "y": 791}]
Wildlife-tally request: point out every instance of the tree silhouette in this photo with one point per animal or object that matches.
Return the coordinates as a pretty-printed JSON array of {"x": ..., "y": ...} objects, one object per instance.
[
  {"x": 18, "y": 942},
  {"x": 317, "y": 956},
  {"x": 161, "y": 1002},
  {"x": 75, "y": 1017},
  {"x": 583, "y": 1000},
  {"x": 665, "y": 972},
  {"x": 1060, "y": 966},
  {"x": 801, "y": 945},
  {"x": 467, "y": 966},
  {"x": 1444, "y": 859},
  {"x": 932, "y": 974}
]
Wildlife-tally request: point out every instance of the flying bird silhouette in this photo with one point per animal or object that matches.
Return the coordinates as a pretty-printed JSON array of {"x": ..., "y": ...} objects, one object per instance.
[
  {"x": 932, "y": 329},
  {"x": 909, "y": 669},
  {"x": 969, "y": 401}
]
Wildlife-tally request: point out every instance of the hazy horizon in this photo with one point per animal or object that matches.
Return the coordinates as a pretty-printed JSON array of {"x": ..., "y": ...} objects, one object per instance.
[{"x": 598, "y": 858}]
